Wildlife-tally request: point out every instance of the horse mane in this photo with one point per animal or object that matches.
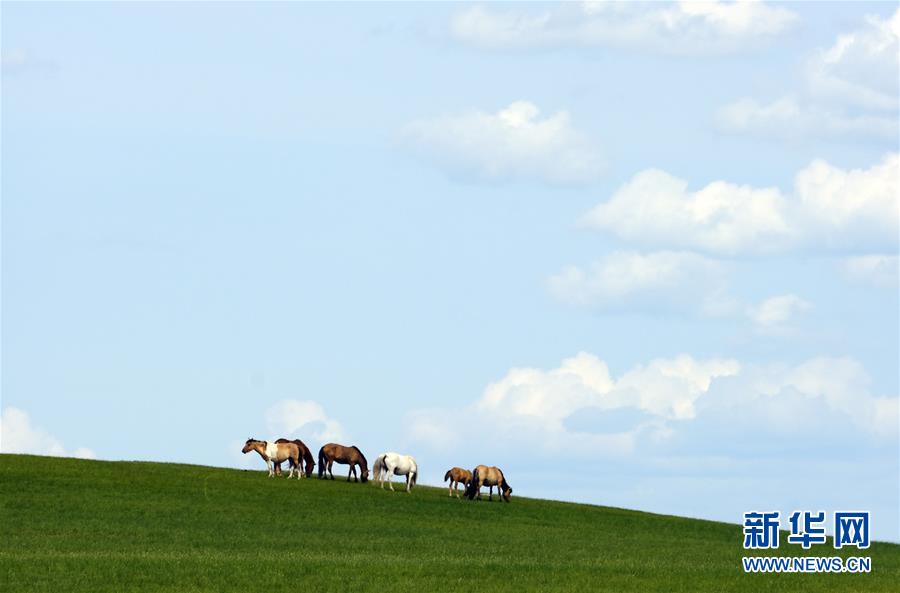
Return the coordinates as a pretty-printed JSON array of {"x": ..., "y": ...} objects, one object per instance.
[{"x": 360, "y": 454}]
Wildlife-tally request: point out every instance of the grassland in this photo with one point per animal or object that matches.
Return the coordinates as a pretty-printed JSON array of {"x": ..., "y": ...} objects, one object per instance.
[{"x": 92, "y": 526}]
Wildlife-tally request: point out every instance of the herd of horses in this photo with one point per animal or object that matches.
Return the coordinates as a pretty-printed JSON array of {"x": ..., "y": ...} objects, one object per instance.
[{"x": 301, "y": 462}]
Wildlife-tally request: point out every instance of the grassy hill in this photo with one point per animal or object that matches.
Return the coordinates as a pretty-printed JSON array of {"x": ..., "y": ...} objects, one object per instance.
[{"x": 93, "y": 526}]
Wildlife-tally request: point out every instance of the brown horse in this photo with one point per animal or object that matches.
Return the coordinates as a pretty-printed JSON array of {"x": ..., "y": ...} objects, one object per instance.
[
  {"x": 273, "y": 453},
  {"x": 490, "y": 477},
  {"x": 305, "y": 454},
  {"x": 351, "y": 456},
  {"x": 457, "y": 476}
]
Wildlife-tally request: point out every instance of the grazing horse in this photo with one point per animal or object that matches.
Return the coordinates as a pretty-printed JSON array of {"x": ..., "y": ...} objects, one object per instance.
[
  {"x": 305, "y": 454},
  {"x": 351, "y": 456},
  {"x": 390, "y": 464},
  {"x": 488, "y": 476},
  {"x": 457, "y": 476},
  {"x": 273, "y": 453}
]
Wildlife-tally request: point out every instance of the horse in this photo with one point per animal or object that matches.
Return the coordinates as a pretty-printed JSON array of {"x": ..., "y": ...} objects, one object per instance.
[
  {"x": 351, "y": 456},
  {"x": 488, "y": 476},
  {"x": 457, "y": 476},
  {"x": 304, "y": 453},
  {"x": 390, "y": 464},
  {"x": 273, "y": 453}
]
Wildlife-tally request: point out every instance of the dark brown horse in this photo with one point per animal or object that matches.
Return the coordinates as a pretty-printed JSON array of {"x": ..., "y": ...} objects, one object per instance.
[
  {"x": 351, "y": 456},
  {"x": 457, "y": 476},
  {"x": 490, "y": 477},
  {"x": 305, "y": 454}
]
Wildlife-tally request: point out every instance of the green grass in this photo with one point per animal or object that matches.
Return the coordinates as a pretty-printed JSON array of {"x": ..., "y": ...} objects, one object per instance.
[{"x": 93, "y": 526}]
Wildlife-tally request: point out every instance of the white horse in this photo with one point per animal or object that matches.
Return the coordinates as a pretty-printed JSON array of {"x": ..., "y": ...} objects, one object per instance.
[{"x": 391, "y": 464}]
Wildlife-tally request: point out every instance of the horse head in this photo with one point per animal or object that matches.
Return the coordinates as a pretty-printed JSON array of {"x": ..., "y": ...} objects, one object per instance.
[
  {"x": 471, "y": 488},
  {"x": 250, "y": 445}
]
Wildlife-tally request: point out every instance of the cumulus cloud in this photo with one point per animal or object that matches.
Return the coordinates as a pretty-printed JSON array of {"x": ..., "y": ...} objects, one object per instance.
[
  {"x": 665, "y": 280},
  {"x": 878, "y": 270},
  {"x": 830, "y": 209},
  {"x": 689, "y": 28},
  {"x": 850, "y": 91},
  {"x": 513, "y": 143},
  {"x": 680, "y": 402},
  {"x": 861, "y": 66},
  {"x": 292, "y": 417},
  {"x": 17, "y": 435},
  {"x": 538, "y": 403}
]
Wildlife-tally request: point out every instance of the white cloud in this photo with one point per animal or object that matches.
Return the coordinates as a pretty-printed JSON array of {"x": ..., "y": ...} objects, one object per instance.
[
  {"x": 861, "y": 67},
  {"x": 666, "y": 280},
  {"x": 290, "y": 417},
  {"x": 670, "y": 281},
  {"x": 774, "y": 313},
  {"x": 831, "y": 208},
  {"x": 680, "y": 402},
  {"x": 684, "y": 28},
  {"x": 514, "y": 143},
  {"x": 656, "y": 208},
  {"x": 841, "y": 207},
  {"x": 533, "y": 404},
  {"x": 850, "y": 90},
  {"x": 878, "y": 270},
  {"x": 17, "y": 435},
  {"x": 787, "y": 118}
]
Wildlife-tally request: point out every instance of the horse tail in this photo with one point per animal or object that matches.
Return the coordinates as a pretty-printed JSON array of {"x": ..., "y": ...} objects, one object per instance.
[
  {"x": 321, "y": 461},
  {"x": 447, "y": 475},
  {"x": 377, "y": 467}
]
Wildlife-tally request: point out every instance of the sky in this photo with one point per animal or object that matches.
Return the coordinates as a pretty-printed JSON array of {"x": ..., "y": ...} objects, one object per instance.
[{"x": 638, "y": 255}]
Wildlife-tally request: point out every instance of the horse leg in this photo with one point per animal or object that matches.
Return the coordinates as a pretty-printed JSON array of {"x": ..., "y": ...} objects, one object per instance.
[
  {"x": 450, "y": 489},
  {"x": 408, "y": 481},
  {"x": 490, "y": 493},
  {"x": 269, "y": 465},
  {"x": 329, "y": 468}
]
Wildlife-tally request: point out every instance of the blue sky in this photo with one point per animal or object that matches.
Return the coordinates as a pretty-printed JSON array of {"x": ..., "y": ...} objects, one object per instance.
[{"x": 637, "y": 255}]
